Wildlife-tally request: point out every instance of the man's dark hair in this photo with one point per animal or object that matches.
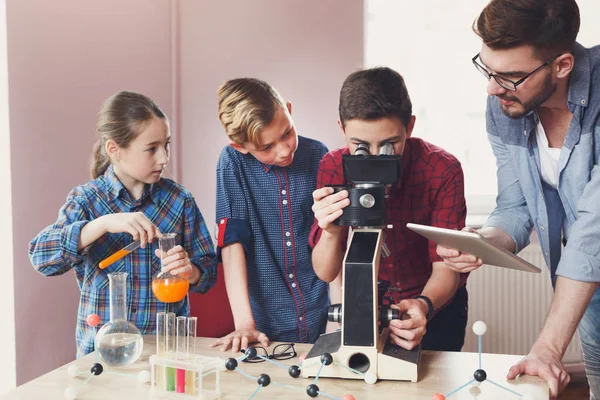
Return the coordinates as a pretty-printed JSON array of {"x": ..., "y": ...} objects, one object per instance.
[
  {"x": 549, "y": 26},
  {"x": 375, "y": 93}
]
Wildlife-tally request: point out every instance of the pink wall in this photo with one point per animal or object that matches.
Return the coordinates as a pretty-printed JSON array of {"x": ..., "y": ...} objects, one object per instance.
[
  {"x": 64, "y": 58},
  {"x": 304, "y": 48},
  {"x": 67, "y": 56}
]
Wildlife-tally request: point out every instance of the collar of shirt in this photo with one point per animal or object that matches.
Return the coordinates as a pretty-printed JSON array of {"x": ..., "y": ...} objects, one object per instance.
[
  {"x": 115, "y": 189},
  {"x": 579, "y": 85}
]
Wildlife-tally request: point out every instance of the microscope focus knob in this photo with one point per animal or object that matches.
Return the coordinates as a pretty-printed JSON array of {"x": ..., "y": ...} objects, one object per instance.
[{"x": 367, "y": 200}]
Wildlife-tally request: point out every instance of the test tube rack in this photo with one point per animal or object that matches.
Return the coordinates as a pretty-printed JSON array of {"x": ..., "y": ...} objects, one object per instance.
[{"x": 188, "y": 377}]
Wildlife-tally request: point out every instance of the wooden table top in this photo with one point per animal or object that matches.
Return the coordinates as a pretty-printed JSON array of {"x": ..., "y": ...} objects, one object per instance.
[{"x": 439, "y": 372}]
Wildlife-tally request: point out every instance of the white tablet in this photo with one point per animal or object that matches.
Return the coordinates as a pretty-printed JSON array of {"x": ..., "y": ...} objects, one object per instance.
[{"x": 472, "y": 243}]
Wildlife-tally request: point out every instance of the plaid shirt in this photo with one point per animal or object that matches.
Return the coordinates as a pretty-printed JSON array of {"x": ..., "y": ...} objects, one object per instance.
[
  {"x": 267, "y": 209},
  {"x": 167, "y": 204},
  {"x": 430, "y": 192}
]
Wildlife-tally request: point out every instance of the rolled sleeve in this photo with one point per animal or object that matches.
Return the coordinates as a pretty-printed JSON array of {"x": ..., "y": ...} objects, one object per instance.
[
  {"x": 69, "y": 240},
  {"x": 54, "y": 250},
  {"x": 581, "y": 257}
]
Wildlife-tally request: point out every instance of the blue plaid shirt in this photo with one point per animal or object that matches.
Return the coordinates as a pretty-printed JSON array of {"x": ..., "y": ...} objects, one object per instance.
[
  {"x": 167, "y": 204},
  {"x": 268, "y": 210}
]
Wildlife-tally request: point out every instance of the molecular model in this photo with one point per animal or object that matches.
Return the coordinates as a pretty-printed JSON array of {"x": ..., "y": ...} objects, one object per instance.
[
  {"x": 480, "y": 376},
  {"x": 264, "y": 380}
]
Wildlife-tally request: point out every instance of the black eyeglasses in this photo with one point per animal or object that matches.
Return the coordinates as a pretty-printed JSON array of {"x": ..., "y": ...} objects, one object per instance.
[
  {"x": 505, "y": 82},
  {"x": 284, "y": 351}
]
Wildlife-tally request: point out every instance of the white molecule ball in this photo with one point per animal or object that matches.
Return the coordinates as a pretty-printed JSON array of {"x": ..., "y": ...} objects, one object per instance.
[
  {"x": 370, "y": 378},
  {"x": 70, "y": 393},
  {"x": 528, "y": 397},
  {"x": 144, "y": 376},
  {"x": 475, "y": 384},
  {"x": 73, "y": 371},
  {"x": 479, "y": 328}
]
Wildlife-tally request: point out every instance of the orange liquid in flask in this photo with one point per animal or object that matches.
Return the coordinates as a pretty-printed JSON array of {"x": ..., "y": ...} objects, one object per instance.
[{"x": 170, "y": 290}]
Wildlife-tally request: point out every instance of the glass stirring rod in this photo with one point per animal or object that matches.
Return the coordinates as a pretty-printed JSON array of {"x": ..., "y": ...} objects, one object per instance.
[{"x": 119, "y": 254}]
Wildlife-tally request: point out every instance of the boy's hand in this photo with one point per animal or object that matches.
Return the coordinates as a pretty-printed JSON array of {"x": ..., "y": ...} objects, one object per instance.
[
  {"x": 328, "y": 207},
  {"x": 409, "y": 331},
  {"x": 240, "y": 339},
  {"x": 136, "y": 224},
  {"x": 177, "y": 262}
]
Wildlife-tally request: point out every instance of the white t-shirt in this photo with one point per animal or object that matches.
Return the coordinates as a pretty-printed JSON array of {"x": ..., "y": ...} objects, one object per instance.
[{"x": 548, "y": 157}]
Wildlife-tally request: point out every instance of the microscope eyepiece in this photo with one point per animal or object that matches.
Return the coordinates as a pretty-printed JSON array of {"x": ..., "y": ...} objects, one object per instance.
[{"x": 361, "y": 150}]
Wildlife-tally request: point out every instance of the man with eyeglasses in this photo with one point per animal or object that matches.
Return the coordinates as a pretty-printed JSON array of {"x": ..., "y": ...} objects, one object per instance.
[{"x": 543, "y": 123}]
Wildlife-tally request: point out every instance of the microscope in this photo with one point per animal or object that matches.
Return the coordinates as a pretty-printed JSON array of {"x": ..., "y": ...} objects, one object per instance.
[{"x": 362, "y": 343}]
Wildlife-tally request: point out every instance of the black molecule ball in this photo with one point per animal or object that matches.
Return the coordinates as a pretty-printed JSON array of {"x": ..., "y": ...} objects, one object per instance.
[
  {"x": 263, "y": 380},
  {"x": 326, "y": 358},
  {"x": 97, "y": 369},
  {"x": 294, "y": 371},
  {"x": 231, "y": 364},
  {"x": 480, "y": 375},
  {"x": 312, "y": 390},
  {"x": 250, "y": 352}
]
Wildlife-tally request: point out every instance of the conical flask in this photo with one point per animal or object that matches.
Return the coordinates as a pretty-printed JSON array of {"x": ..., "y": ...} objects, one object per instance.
[
  {"x": 119, "y": 342},
  {"x": 166, "y": 287}
]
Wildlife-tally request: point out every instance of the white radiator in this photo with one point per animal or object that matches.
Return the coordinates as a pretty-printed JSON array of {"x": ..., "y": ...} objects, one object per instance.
[{"x": 514, "y": 305}]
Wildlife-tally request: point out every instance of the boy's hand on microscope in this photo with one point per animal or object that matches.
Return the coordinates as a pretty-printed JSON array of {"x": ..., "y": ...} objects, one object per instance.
[
  {"x": 409, "y": 331},
  {"x": 328, "y": 207},
  {"x": 177, "y": 262},
  {"x": 136, "y": 224},
  {"x": 240, "y": 339}
]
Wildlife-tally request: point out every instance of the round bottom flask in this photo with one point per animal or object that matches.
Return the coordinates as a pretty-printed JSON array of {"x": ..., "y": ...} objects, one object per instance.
[
  {"x": 119, "y": 342},
  {"x": 166, "y": 287}
]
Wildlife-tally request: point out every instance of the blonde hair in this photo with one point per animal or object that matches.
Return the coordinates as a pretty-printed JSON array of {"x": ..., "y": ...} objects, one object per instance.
[
  {"x": 246, "y": 106},
  {"x": 119, "y": 120}
]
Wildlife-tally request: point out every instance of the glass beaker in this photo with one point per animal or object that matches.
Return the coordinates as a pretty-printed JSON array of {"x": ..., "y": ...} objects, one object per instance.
[
  {"x": 119, "y": 342},
  {"x": 166, "y": 287}
]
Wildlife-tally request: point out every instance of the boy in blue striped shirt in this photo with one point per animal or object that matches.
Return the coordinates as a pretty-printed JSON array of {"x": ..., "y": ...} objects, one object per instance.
[
  {"x": 265, "y": 179},
  {"x": 127, "y": 200}
]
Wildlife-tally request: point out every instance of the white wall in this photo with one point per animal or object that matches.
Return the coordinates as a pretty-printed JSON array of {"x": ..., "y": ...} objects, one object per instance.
[
  {"x": 64, "y": 58},
  {"x": 303, "y": 48},
  {"x": 7, "y": 295}
]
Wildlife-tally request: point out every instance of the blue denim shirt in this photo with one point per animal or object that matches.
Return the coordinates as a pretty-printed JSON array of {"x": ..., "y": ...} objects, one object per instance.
[{"x": 521, "y": 204}]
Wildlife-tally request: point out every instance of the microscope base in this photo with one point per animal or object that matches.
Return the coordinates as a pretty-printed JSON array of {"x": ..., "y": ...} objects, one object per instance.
[{"x": 387, "y": 361}]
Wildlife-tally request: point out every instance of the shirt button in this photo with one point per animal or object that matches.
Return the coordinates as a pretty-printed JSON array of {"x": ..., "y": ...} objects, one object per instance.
[
  {"x": 525, "y": 133},
  {"x": 285, "y": 202},
  {"x": 283, "y": 192},
  {"x": 135, "y": 278},
  {"x": 546, "y": 253},
  {"x": 287, "y": 234},
  {"x": 133, "y": 310},
  {"x": 542, "y": 228},
  {"x": 583, "y": 101},
  {"x": 289, "y": 244},
  {"x": 293, "y": 285},
  {"x": 291, "y": 276},
  {"x": 300, "y": 318}
]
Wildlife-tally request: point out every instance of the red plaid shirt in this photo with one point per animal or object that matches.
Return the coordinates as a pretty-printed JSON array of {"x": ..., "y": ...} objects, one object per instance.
[{"x": 430, "y": 192}]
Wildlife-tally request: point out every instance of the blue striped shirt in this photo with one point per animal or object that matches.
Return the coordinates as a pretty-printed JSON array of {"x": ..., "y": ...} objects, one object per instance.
[
  {"x": 268, "y": 210},
  {"x": 167, "y": 204}
]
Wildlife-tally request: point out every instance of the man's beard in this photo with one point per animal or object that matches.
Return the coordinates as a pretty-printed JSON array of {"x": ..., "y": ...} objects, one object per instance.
[{"x": 547, "y": 91}]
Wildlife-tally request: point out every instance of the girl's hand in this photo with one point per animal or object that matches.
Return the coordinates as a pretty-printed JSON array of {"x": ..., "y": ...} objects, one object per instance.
[
  {"x": 136, "y": 224},
  {"x": 177, "y": 262}
]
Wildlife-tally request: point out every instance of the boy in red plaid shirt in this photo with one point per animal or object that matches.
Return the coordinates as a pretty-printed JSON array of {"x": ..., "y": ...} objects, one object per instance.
[{"x": 375, "y": 109}]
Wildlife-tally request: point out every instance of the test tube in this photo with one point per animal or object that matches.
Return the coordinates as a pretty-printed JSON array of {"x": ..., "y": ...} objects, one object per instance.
[
  {"x": 181, "y": 354},
  {"x": 119, "y": 254},
  {"x": 171, "y": 336},
  {"x": 190, "y": 376},
  {"x": 161, "y": 347}
]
